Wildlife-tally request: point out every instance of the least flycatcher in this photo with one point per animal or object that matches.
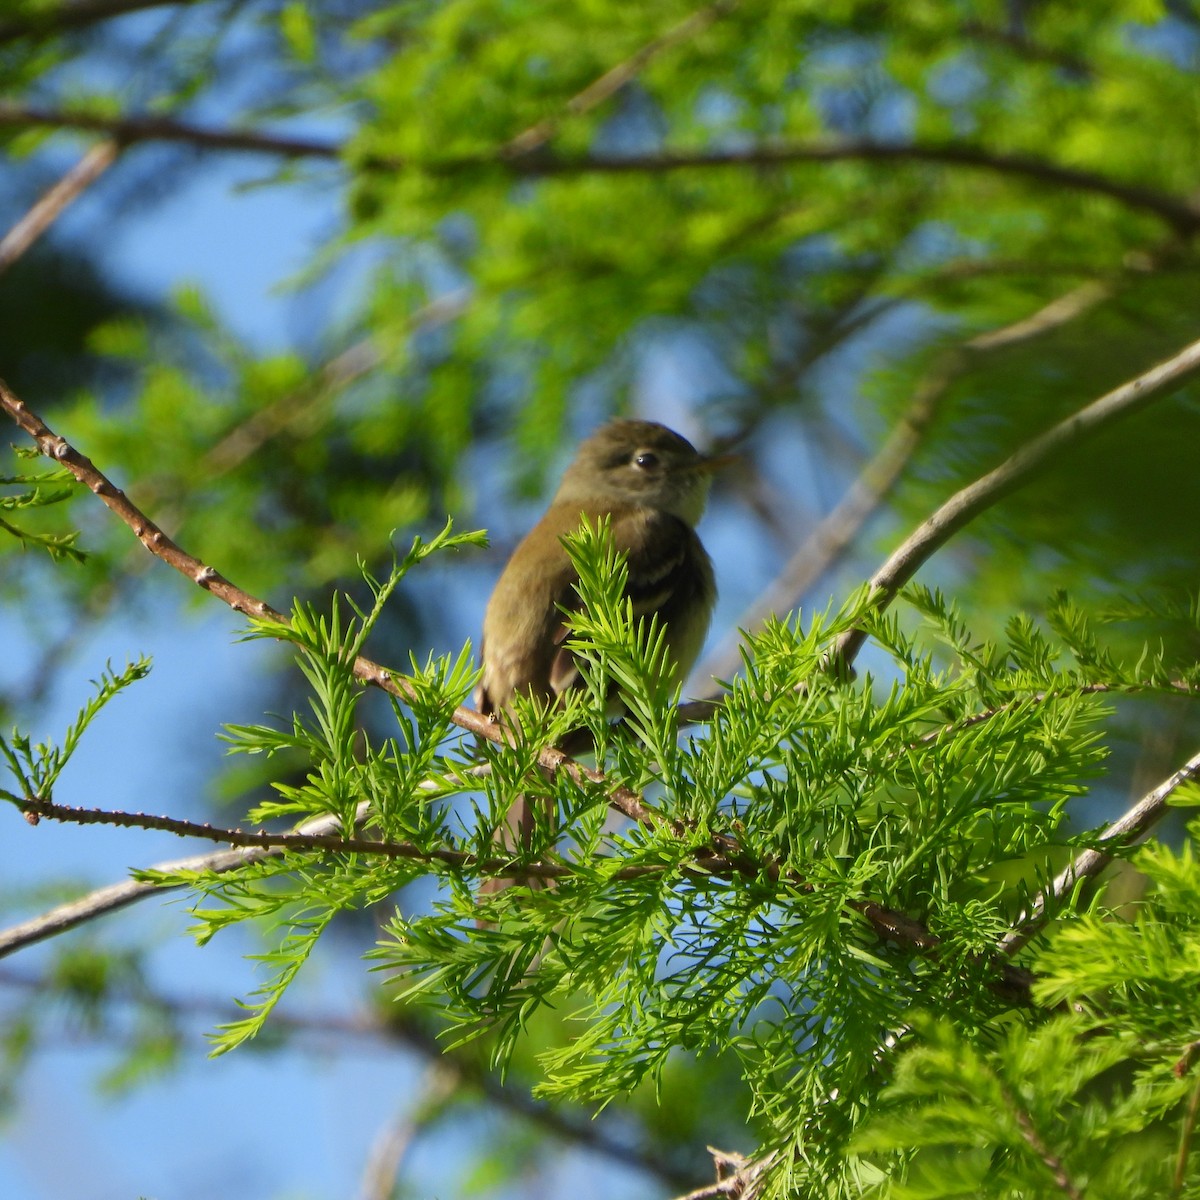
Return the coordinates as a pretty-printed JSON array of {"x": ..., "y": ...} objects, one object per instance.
[{"x": 652, "y": 484}]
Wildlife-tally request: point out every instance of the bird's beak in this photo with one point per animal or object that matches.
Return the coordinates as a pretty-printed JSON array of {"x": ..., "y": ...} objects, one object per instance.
[{"x": 712, "y": 463}]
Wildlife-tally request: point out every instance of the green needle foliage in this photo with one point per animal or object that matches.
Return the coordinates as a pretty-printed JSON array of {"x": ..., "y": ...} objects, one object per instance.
[
  {"x": 816, "y": 889},
  {"x": 35, "y": 490},
  {"x": 879, "y": 247}
]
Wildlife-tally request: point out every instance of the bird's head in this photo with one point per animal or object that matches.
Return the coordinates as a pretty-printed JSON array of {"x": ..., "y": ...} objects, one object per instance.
[{"x": 640, "y": 463}]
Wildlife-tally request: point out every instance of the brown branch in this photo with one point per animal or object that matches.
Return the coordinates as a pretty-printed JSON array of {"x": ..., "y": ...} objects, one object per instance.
[
  {"x": 324, "y": 834},
  {"x": 1138, "y": 820},
  {"x": 53, "y": 202},
  {"x": 128, "y": 130},
  {"x": 1185, "y": 1142},
  {"x": 334, "y": 841},
  {"x": 1029, "y": 461},
  {"x": 104, "y": 900},
  {"x": 738, "y": 1177},
  {"x": 47, "y": 22},
  {"x": 1183, "y": 215},
  {"x": 211, "y": 580}
]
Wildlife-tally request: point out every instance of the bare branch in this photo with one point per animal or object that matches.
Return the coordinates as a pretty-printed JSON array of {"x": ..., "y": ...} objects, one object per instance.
[
  {"x": 1185, "y": 1142},
  {"x": 412, "y": 1035},
  {"x": 1029, "y": 461},
  {"x": 52, "y": 203},
  {"x": 738, "y": 1177},
  {"x": 1051, "y": 1161},
  {"x": 1140, "y": 819},
  {"x": 328, "y": 836},
  {"x": 115, "y": 896}
]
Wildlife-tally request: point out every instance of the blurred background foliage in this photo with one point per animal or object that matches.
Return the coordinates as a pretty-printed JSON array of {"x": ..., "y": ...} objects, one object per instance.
[{"x": 802, "y": 231}]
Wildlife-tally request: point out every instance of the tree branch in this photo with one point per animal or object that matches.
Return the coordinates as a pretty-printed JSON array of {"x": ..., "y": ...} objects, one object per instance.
[
  {"x": 1138, "y": 820},
  {"x": 128, "y": 130},
  {"x": 398, "y": 1029},
  {"x": 838, "y": 528},
  {"x": 392, "y": 1144},
  {"x": 51, "y": 204},
  {"x": 1037, "y": 1144},
  {"x": 328, "y": 837},
  {"x": 1179, "y": 213},
  {"x": 616, "y": 78},
  {"x": 1017, "y": 470}
]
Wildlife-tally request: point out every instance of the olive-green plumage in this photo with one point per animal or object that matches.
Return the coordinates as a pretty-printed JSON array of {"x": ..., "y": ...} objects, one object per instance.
[{"x": 653, "y": 485}]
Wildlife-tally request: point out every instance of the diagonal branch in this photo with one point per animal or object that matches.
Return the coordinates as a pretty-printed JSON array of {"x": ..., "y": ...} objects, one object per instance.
[
  {"x": 615, "y": 78},
  {"x": 1140, "y": 819},
  {"x": 53, "y": 202},
  {"x": 835, "y": 532},
  {"x": 1034, "y": 457}
]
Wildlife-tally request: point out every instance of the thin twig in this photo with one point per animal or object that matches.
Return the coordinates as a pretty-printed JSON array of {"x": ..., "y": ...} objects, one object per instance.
[
  {"x": 1186, "y": 1133},
  {"x": 1029, "y": 461},
  {"x": 129, "y": 130},
  {"x": 51, "y": 204},
  {"x": 1138, "y": 820},
  {"x": 738, "y": 1177},
  {"x": 331, "y": 839},
  {"x": 1180, "y": 213},
  {"x": 104, "y": 900}
]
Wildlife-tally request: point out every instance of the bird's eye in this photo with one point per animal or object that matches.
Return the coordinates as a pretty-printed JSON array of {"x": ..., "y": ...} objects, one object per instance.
[{"x": 646, "y": 460}]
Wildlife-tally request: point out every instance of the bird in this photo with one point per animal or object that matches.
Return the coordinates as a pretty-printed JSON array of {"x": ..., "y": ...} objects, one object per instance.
[{"x": 652, "y": 484}]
